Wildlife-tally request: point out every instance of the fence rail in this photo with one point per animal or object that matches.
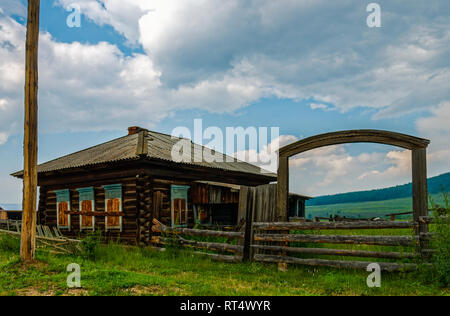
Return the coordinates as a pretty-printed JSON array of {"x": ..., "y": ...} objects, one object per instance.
[
  {"x": 339, "y": 252},
  {"x": 45, "y": 237},
  {"x": 171, "y": 236},
  {"x": 340, "y": 239},
  {"x": 332, "y": 225},
  {"x": 385, "y": 266},
  {"x": 275, "y": 242},
  {"x": 161, "y": 228}
]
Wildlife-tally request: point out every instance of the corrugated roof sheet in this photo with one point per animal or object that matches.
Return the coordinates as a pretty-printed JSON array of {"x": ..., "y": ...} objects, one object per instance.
[{"x": 125, "y": 148}]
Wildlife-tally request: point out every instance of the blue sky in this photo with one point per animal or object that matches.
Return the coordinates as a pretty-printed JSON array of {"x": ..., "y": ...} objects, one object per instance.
[{"x": 305, "y": 67}]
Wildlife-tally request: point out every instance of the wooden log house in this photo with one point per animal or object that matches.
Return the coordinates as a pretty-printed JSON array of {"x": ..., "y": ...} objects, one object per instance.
[{"x": 119, "y": 186}]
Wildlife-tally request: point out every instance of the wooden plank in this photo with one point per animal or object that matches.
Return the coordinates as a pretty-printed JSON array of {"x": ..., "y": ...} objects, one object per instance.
[
  {"x": 142, "y": 146},
  {"x": 385, "y": 266},
  {"x": 47, "y": 231},
  {"x": 40, "y": 232},
  {"x": 199, "y": 244},
  {"x": 340, "y": 239},
  {"x": 248, "y": 237},
  {"x": 419, "y": 190},
  {"x": 354, "y": 136},
  {"x": 339, "y": 252},
  {"x": 57, "y": 232},
  {"x": 242, "y": 206},
  {"x": 28, "y": 237},
  {"x": 331, "y": 225},
  {"x": 223, "y": 258},
  {"x": 282, "y": 189},
  {"x": 160, "y": 228},
  {"x": 43, "y": 238}
]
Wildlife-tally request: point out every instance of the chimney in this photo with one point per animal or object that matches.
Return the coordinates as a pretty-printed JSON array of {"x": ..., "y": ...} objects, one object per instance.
[{"x": 135, "y": 129}]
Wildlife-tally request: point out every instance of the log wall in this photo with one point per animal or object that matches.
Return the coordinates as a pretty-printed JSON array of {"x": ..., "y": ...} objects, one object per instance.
[
  {"x": 143, "y": 198},
  {"x": 129, "y": 207}
]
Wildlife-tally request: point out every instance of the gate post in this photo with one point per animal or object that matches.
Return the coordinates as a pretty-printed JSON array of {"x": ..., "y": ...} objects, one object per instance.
[
  {"x": 248, "y": 233},
  {"x": 419, "y": 192},
  {"x": 282, "y": 188}
]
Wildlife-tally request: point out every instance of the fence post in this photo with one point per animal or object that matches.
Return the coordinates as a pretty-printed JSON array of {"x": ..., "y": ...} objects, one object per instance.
[
  {"x": 248, "y": 234},
  {"x": 420, "y": 195}
]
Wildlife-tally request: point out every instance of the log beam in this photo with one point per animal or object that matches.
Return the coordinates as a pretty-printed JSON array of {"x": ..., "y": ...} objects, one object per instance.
[{"x": 340, "y": 239}]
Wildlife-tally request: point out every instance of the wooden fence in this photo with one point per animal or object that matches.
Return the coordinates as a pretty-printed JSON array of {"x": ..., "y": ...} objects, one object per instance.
[
  {"x": 173, "y": 236},
  {"x": 270, "y": 232},
  {"x": 45, "y": 237},
  {"x": 275, "y": 242}
]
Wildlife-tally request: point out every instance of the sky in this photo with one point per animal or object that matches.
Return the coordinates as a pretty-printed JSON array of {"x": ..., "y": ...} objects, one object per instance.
[{"x": 307, "y": 67}]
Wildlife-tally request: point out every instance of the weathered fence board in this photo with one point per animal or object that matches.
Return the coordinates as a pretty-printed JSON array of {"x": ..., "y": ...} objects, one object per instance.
[
  {"x": 340, "y": 252},
  {"x": 332, "y": 225},
  {"x": 57, "y": 245},
  {"x": 175, "y": 238},
  {"x": 385, "y": 266},
  {"x": 199, "y": 244},
  {"x": 340, "y": 239},
  {"x": 160, "y": 228}
]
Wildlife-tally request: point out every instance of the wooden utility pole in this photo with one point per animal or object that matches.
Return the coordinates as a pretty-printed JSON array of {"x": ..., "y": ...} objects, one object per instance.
[{"x": 28, "y": 237}]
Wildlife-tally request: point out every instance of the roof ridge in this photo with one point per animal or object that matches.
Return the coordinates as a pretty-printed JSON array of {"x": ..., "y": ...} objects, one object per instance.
[{"x": 235, "y": 159}]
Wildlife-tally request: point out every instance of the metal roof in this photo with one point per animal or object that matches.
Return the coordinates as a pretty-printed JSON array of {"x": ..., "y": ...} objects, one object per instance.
[{"x": 143, "y": 144}]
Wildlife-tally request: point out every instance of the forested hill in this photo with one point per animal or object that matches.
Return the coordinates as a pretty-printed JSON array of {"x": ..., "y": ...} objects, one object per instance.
[{"x": 400, "y": 191}]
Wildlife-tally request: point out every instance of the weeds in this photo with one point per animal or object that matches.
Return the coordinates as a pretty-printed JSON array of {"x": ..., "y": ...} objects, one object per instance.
[
  {"x": 90, "y": 245},
  {"x": 440, "y": 271},
  {"x": 9, "y": 243}
]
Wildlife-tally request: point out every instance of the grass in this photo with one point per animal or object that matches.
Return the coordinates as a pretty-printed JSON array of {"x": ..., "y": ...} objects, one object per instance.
[{"x": 120, "y": 270}]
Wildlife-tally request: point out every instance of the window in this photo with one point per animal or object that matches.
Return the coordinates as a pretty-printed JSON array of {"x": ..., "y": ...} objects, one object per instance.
[
  {"x": 113, "y": 206},
  {"x": 87, "y": 205},
  {"x": 62, "y": 207},
  {"x": 179, "y": 205}
]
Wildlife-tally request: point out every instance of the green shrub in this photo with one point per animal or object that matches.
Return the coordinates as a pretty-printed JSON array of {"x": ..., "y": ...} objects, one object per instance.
[{"x": 90, "y": 245}]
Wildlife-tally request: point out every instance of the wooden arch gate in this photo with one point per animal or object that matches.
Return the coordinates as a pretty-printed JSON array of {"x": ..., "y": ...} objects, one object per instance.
[{"x": 417, "y": 146}]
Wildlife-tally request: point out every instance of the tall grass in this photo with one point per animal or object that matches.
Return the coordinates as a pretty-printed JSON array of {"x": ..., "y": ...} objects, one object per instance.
[
  {"x": 9, "y": 243},
  {"x": 440, "y": 243}
]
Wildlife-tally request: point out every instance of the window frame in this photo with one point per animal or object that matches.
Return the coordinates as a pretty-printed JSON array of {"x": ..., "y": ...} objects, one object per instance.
[
  {"x": 86, "y": 194},
  {"x": 178, "y": 192},
  {"x": 61, "y": 197},
  {"x": 112, "y": 192}
]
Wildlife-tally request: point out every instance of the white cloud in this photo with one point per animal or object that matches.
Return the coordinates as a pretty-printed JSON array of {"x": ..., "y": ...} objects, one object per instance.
[
  {"x": 436, "y": 127},
  {"x": 333, "y": 169},
  {"x": 12, "y": 7},
  {"x": 221, "y": 56},
  {"x": 315, "y": 106},
  {"x": 291, "y": 49},
  {"x": 124, "y": 18}
]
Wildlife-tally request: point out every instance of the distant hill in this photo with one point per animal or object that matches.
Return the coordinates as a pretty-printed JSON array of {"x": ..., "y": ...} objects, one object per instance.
[{"x": 400, "y": 191}]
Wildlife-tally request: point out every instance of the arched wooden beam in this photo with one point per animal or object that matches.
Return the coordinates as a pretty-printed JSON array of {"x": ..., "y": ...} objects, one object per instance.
[
  {"x": 354, "y": 136},
  {"x": 416, "y": 145}
]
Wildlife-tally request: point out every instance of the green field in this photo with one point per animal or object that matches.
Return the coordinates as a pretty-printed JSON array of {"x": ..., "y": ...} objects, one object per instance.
[
  {"x": 366, "y": 209},
  {"x": 123, "y": 270},
  {"x": 118, "y": 270}
]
